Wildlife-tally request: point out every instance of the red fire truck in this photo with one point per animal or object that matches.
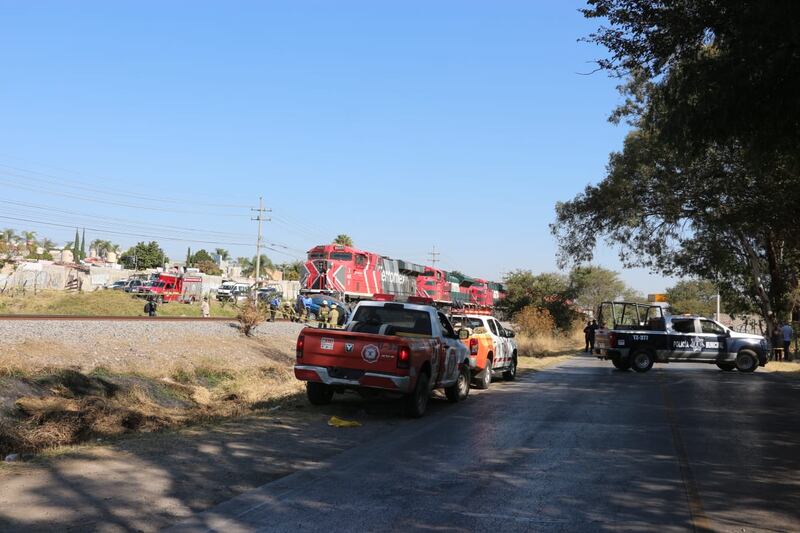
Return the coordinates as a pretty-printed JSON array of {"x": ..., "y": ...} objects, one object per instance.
[
  {"x": 175, "y": 288},
  {"x": 353, "y": 274}
]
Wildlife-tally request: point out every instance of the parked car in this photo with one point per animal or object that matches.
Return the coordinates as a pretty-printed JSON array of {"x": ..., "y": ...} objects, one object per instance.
[
  {"x": 133, "y": 285},
  {"x": 316, "y": 305},
  {"x": 492, "y": 347},
  {"x": 233, "y": 292},
  {"x": 118, "y": 285},
  {"x": 405, "y": 348}
]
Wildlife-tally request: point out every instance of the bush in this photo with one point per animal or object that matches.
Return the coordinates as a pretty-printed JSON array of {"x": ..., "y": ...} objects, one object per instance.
[
  {"x": 535, "y": 321},
  {"x": 249, "y": 316}
]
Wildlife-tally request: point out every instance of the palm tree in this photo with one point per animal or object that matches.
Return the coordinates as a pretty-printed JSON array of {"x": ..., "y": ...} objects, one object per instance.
[
  {"x": 8, "y": 235},
  {"x": 30, "y": 239},
  {"x": 343, "y": 239},
  {"x": 222, "y": 253},
  {"x": 48, "y": 244}
]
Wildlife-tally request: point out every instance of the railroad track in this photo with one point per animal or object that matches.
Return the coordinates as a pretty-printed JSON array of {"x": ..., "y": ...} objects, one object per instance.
[{"x": 125, "y": 318}]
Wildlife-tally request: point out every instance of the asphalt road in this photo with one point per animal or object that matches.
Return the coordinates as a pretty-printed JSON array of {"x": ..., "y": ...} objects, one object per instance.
[{"x": 581, "y": 447}]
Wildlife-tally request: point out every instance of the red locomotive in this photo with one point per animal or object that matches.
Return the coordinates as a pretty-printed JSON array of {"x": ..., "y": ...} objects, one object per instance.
[{"x": 354, "y": 274}]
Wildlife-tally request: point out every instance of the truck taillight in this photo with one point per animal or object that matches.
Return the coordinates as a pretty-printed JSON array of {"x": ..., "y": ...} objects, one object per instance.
[
  {"x": 403, "y": 357},
  {"x": 301, "y": 341},
  {"x": 473, "y": 346},
  {"x": 612, "y": 339}
]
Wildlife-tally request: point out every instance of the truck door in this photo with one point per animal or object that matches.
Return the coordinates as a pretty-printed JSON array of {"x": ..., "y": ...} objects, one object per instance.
[
  {"x": 714, "y": 337},
  {"x": 500, "y": 351},
  {"x": 450, "y": 347},
  {"x": 684, "y": 340}
]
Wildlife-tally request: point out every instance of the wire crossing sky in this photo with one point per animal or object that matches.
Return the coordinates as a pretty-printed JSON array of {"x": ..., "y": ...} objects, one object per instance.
[{"x": 406, "y": 125}]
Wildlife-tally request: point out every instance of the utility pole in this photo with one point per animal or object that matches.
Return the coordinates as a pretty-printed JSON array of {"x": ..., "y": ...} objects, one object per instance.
[
  {"x": 434, "y": 257},
  {"x": 260, "y": 218}
]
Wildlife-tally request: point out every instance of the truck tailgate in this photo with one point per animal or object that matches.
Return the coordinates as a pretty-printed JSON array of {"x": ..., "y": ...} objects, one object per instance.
[{"x": 342, "y": 350}]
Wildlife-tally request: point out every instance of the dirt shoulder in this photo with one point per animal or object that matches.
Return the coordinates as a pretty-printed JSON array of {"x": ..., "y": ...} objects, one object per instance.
[{"x": 144, "y": 482}]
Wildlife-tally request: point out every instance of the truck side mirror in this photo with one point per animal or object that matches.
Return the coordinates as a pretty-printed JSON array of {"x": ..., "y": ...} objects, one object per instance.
[{"x": 463, "y": 334}]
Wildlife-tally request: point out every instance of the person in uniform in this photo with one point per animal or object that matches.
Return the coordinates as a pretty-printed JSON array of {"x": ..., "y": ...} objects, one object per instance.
[
  {"x": 333, "y": 317},
  {"x": 323, "y": 315},
  {"x": 151, "y": 306},
  {"x": 287, "y": 310},
  {"x": 205, "y": 308}
]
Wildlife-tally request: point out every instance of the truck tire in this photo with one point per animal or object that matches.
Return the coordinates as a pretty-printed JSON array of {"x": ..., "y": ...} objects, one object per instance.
[
  {"x": 746, "y": 361},
  {"x": 621, "y": 364},
  {"x": 485, "y": 377},
  {"x": 417, "y": 401},
  {"x": 511, "y": 373},
  {"x": 727, "y": 367},
  {"x": 460, "y": 389},
  {"x": 318, "y": 393},
  {"x": 642, "y": 361}
]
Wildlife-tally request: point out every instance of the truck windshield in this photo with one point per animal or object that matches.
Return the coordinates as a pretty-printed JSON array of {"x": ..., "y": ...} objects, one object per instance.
[{"x": 403, "y": 320}]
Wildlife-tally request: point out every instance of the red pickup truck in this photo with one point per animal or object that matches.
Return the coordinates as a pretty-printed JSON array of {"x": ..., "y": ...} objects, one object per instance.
[{"x": 404, "y": 348}]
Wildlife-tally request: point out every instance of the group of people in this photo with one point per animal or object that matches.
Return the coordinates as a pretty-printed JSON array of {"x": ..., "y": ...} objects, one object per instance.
[
  {"x": 327, "y": 317},
  {"x": 782, "y": 340},
  {"x": 151, "y": 307}
]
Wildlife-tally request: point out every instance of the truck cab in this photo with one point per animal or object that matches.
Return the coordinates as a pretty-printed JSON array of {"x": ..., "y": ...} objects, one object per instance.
[
  {"x": 634, "y": 335},
  {"x": 406, "y": 349}
]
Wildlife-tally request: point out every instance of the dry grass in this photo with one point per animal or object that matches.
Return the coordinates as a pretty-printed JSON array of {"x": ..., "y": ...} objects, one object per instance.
[
  {"x": 789, "y": 368},
  {"x": 72, "y": 407},
  {"x": 98, "y": 303},
  {"x": 549, "y": 345}
]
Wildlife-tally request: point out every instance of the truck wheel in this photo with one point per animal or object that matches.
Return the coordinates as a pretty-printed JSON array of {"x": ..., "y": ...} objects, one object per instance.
[
  {"x": 511, "y": 373},
  {"x": 642, "y": 361},
  {"x": 485, "y": 378},
  {"x": 746, "y": 361},
  {"x": 417, "y": 401},
  {"x": 621, "y": 364},
  {"x": 318, "y": 393},
  {"x": 460, "y": 389},
  {"x": 727, "y": 367}
]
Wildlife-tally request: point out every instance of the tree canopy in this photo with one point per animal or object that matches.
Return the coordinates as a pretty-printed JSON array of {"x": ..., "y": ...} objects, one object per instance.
[
  {"x": 144, "y": 255},
  {"x": 343, "y": 239},
  {"x": 703, "y": 183},
  {"x": 693, "y": 296}
]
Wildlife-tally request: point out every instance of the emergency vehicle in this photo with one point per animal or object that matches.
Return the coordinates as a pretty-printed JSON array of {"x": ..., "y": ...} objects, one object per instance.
[
  {"x": 408, "y": 349},
  {"x": 351, "y": 274},
  {"x": 175, "y": 288},
  {"x": 492, "y": 347}
]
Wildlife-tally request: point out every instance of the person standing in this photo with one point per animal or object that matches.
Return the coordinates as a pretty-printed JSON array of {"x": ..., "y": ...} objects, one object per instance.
[
  {"x": 333, "y": 317},
  {"x": 151, "y": 306},
  {"x": 274, "y": 305},
  {"x": 586, "y": 334},
  {"x": 787, "y": 332},
  {"x": 205, "y": 308},
  {"x": 777, "y": 343},
  {"x": 323, "y": 315},
  {"x": 299, "y": 306},
  {"x": 592, "y": 331}
]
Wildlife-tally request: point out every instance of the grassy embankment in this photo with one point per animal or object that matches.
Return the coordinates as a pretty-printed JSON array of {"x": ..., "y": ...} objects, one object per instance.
[
  {"x": 61, "y": 407},
  {"x": 98, "y": 303}
]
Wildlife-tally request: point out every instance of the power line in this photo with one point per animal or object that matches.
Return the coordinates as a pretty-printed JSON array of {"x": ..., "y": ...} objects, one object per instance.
[
  {"x": 115, "y": 192},
  {"x": 178, "y": 239}
]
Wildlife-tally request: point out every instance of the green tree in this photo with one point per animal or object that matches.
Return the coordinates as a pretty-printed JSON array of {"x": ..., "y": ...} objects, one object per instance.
[
  {"x": 712, "y": 90},
  {"x": 208, "y": 267},
  {"x": 222, "y": 253},
  {"x": 30, "y": 241},
  {"x": 188, "y": 257},
  {"x": 291, "y": 271},
  {"x": 144, "y": 255},
  {"x": 76, "y": 247},
  {"x": 343, "y": 239},
  {"x": 693, "y": 296},
  {"x": 83, "y": 245},
  {"x": 249, "y": 265},
  {"x": 594, "y": 284},
  {"x": 201, "y": 255},
  {"x": 550, "y": 291}
]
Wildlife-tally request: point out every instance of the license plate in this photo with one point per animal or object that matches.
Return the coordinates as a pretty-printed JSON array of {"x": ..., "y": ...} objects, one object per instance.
[{"x": 326, "y": 343}]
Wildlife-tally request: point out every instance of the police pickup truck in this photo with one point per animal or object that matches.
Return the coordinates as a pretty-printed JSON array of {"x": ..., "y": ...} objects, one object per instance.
[{"x": 634, "y": 335}]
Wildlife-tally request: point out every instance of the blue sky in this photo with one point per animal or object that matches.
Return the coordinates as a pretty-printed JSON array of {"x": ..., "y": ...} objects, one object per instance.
[{"x": 406, "y": 125}]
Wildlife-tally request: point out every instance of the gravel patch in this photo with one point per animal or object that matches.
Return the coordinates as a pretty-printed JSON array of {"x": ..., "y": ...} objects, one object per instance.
[{"x": 142, "y": 346}]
